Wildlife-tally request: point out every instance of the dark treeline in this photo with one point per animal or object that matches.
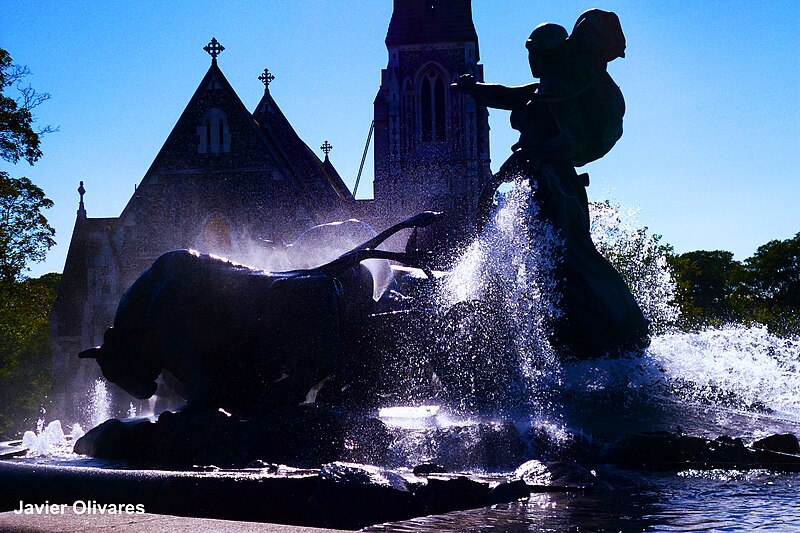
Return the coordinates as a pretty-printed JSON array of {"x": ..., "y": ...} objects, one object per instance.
[
  {"x": 713, "y": 289},
  {"x": 25, "y": 363},
  {"x": 25, "y": 237}
]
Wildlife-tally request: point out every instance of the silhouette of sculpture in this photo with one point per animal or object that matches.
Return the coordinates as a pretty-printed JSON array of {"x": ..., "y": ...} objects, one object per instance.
[{"x": 572, "y": 116}]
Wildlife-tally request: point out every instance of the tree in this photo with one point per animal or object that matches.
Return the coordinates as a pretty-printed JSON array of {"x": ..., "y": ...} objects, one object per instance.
[
  {"x": 25, "y": 234},
  {"x": 18, "y": 139},
  {"x": 25, "y": 362},
  {"x": 705, "y": 281},
  {"x": 769, "y": 286},
  {"x": 641, "y": 260}
]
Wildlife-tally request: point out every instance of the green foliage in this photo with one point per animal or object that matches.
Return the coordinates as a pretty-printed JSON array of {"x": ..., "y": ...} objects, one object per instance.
[
  {"x": 705, "y": 283},
  {"x": 18, "y": 139},
  {"x": 714, "y": 289},
  {"x": 768, "y": 286},
  {"x": 25, "y": 361},
  {"x": 640, "y": 258},
  {"x": 25, "y": 234}
]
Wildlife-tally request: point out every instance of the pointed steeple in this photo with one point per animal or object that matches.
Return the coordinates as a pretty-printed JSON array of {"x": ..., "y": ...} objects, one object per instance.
[{"x": 431, "y": 21}]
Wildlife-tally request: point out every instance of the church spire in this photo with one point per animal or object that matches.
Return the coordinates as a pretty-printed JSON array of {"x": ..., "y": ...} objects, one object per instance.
[{"x": 417, "y": 22}]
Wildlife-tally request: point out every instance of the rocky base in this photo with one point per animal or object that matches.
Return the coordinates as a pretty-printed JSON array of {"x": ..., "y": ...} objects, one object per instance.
[{"x": 338, "y": 491}]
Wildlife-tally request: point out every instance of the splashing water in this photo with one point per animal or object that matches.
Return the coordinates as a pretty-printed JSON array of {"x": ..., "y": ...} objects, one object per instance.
[
  {"x": 99, "y": 408},
  {"x": 640, "y": 260},
  {"x": 736, "y": 380},
  {"x": 504, "y": 293},
  {"x": 50, "y": 440}
]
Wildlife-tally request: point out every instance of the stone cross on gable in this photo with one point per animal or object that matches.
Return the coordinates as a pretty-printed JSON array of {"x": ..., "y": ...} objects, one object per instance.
[
  {"x": 326, "y": 147},
  {"x": 266, "y": 78},
  {"x": 214, "y": 49}
]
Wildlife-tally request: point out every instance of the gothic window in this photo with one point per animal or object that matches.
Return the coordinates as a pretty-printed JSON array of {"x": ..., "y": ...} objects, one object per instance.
[
  {"x": 215, "y": 136},
  {"x": 432, "y": 107}
]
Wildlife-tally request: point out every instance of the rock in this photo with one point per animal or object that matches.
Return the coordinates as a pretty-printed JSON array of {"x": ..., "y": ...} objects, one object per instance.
[
  {"x": 667, "y": 450},
  {"x": 446, "y": 494},
  {"x": 307, "y": 435},
  {"x": 533, "y": 473},
  {"x": 429, "y": 468},
  {"x": 352, "y": 496},
  {"x": 114, "y": 439},
  {"x": 555, "y": 476},
  {"x": 366, "y": 440},
  {"x": 208, "y": 437},
  {"x": 550, "y": 447},
  {"x": 784, "y": 443},
  {"x": 508, "y": 491}
]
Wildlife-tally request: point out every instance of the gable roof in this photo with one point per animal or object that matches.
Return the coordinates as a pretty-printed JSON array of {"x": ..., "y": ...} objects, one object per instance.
[
  {"x": 305, "y": 170},
  {"x": 295, "y": 152}
]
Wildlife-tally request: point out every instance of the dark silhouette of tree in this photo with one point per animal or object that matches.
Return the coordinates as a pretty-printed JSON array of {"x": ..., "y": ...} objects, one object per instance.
[
  {"x": 25, "y": 237},
  {"x": 18, "y": 139},
  {"x": 705, "y": 281},
  {"x": 25, "y": 234},
  {"x": 768, "y": 287},
  {"x": 25, "y": 362}
]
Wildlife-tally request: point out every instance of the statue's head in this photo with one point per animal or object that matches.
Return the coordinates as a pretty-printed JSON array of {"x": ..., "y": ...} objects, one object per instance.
[
  {"x": 123, "y": 366},
  {"x": 544, "y": 45}
]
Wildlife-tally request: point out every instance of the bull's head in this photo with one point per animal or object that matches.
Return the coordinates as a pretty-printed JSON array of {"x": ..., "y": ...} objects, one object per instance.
[{"x": 123, "y": 366}]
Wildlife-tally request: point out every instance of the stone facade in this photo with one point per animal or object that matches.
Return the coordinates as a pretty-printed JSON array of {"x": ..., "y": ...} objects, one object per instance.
[
  {"x": 228, "y": 181},
  {"x": 431, "y": 143}
]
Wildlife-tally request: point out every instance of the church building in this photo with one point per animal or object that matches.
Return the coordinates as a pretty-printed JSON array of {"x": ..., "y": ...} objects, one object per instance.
[
  {"x": 230, "y": 181},
  {"x": 431, "y": 143}
]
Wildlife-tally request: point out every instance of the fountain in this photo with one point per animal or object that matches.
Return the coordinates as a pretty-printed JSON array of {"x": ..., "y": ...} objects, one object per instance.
[{"x": 523, "y": 378}]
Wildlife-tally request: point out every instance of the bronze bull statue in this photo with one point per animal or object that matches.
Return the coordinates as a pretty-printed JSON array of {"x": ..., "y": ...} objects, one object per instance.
[{"x": 237, "y": 338}]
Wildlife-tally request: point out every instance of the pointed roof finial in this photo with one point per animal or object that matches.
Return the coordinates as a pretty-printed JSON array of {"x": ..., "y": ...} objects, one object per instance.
[
  {"x": 81, "y": 207},
  {"x": 326, "y": 148},
  {"x": 266, "y": 78},
  {"x": 214, "y": 49}
]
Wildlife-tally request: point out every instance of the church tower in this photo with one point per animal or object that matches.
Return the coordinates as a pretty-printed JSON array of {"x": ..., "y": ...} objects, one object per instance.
[{"x": 431, "y": 143}]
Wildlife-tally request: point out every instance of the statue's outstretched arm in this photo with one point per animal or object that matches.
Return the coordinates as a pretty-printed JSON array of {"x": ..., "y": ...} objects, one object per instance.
[{"x": 495, "y": 95}]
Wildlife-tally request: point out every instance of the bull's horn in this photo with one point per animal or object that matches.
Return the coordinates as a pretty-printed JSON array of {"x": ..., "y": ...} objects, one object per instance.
[
  {"x": 426, "y": 218},
  {"x": 91, "y": 353}
]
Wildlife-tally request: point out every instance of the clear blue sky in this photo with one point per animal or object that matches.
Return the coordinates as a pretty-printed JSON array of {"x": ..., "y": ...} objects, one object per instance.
[{"x": 710, "y": 154}]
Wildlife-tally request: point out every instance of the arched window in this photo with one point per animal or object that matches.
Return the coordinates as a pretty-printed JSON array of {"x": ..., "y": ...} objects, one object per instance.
[
  {"x": 432, "y": 107},
  {"x": 215, "y": 137}
]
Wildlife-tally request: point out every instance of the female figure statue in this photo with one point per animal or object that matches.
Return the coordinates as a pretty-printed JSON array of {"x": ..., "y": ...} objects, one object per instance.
[{"x": 572, "y": 116}]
